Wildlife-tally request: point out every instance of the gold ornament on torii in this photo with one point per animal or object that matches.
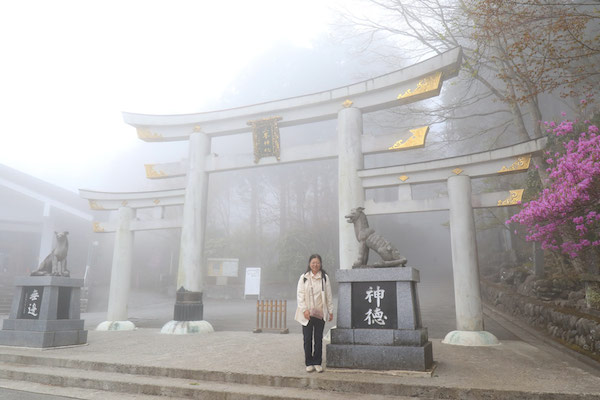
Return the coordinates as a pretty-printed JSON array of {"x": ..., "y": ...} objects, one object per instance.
[
  {"x": 415, "y": 141},
  {"x": 145, "y": 133},
  {"x": 521, "y": 164},
  {"x": 514, "y": 197},
  {"x": 427, "y": 84},
  {"x": 94, "y": 205},
  {"x": 98, "y": 227},
  {"x": 153, "y": 173}
]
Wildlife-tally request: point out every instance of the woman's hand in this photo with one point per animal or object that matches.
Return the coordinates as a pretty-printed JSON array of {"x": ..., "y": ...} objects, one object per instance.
[
  {"x": 307, "y": 314},
  {"x": 330, "y": 316}
]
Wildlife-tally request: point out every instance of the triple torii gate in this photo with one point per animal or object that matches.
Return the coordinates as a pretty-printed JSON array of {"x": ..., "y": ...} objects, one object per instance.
[{"x": 417, "y": 82}]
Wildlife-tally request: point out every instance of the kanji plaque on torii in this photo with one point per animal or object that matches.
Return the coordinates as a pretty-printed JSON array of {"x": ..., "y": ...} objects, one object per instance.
[{"x": 265, "y": 135}]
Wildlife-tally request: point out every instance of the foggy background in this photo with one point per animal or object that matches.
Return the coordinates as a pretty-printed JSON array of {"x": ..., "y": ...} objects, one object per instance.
[{"x": 73, "y": 67}]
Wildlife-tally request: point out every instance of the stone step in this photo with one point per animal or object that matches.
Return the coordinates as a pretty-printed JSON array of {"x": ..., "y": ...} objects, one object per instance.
[
  {"x": 50, "y": 369},
  {"x": 314, "y": 380},
  {"x": 148, "y": 385}
]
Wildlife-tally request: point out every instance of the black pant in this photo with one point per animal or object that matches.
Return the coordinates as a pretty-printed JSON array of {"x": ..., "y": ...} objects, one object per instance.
[{"x": 314, "y": 329}]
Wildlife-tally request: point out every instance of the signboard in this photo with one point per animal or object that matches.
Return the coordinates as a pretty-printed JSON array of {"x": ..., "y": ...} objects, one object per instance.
[
  {"x": 265, "y": 136},
  {"x": 32, "y": 300},
  {"x": 374, "y": 305},
  {"x": 219, "y": 267},
  {"x": 252, "y": 287}
]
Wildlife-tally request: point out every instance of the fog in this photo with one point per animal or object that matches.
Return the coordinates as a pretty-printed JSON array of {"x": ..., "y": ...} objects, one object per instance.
[
  {"x": 270, "y": 217},
  {"x": 293, "y": 206}
]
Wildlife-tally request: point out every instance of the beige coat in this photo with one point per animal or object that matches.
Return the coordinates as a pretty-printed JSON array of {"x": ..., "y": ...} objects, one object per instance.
[{"x": 303, "y": 295}]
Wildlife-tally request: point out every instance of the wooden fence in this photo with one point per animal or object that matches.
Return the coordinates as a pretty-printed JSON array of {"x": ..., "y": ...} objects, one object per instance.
[{"x": 271, "y": 316}]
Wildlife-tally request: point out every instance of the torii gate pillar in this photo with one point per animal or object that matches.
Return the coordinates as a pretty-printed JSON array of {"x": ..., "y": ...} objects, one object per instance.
[
  {"x": 467, "y": 296},
  {"x": 189, "y": 309},
  {"x": 350, "y": 191},
  {"x": 120, "y": 275}
]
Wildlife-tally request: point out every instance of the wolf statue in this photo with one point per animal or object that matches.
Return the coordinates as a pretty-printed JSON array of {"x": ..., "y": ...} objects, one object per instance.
[
  {"x": 56, "y": 262},
  {"x": 369, "y": 239}
]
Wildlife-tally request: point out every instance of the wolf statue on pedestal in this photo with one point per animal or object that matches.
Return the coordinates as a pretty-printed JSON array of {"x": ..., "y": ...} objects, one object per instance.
[
  {"x": 369, "y": 239},
  {"x": 55, "y": 263}
]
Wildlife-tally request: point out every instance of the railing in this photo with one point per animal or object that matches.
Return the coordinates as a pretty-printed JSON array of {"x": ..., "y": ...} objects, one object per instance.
[{"x": 271, "y": 316}]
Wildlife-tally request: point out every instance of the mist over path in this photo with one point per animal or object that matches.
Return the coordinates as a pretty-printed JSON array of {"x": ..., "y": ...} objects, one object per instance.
[{"x": 436, "y": 297}]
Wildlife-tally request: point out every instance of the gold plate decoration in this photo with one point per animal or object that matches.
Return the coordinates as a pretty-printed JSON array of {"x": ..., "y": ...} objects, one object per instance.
[
  {"x": 265, "y": 135},
  {"x": 427, "y": 84},
  {"x": 457, "y": 171},
  {"x": 152, "y": 173},
  {"x": 94, "y": 205},
  {"x": 415, "y": 141},
  {"x": 146, "y": 134},
  {"x": 124, "y": 203},
  {"x": 156, "y": 201},
  {"x": 403, "y": 178},
  {"x": 97, "y": 227},
  {"x": 347, "y": 103},
  {"x": 513, "y": 198},
  {"x": 521, "y": 164}
]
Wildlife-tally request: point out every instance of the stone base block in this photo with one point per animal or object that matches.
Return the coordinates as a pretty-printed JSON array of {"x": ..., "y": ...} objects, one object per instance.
[
  {"x": 471, "y": 338},
  {"x": 45, "y": 312},
  {"x": 116, "y": 326},
  {"x": 42, "y": 339},
  {"x": 187, "y": 327},
  {"x": 414, "y": 358},
  {"x": 380, "y": 337},
  {"x": 188, "y": 306},
  {"x": 42, "y": 325}
]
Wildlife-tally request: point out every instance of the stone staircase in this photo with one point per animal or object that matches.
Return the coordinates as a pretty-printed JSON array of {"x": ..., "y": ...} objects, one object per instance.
[
  {"x": 117, "y": 381},
  {"x": 101, "y": 380}
]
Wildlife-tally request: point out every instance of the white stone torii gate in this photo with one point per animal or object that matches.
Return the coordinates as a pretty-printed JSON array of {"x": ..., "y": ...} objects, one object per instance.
[
  {"x": 126, "y": 205},
  {"x": 347, "y": 104},
  {"x": 414, "y": 83},
  {"x": 457, "y": 173}
]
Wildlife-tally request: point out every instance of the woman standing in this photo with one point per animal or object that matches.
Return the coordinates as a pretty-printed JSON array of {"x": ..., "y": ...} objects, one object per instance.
[{"x": 315, "y": 303}]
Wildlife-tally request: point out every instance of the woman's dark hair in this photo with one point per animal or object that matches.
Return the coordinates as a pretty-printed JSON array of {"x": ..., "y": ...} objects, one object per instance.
[{"x": 321, "y": 260}]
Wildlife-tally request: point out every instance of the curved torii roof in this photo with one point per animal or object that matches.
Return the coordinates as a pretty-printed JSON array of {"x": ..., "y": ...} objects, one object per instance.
[{"x": 416, "y": 82}]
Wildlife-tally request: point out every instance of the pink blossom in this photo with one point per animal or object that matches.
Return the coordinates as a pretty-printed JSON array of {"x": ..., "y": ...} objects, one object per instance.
[{"x": 568, "y": 206}]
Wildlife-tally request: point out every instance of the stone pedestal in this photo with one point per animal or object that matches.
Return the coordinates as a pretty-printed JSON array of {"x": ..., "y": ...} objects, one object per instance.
[
  {"x": 188, "y": 306},
  {"x": 187, "y": 318},
  {"x": 379, "y": 322},
  {"x": 45, "y": 312}
]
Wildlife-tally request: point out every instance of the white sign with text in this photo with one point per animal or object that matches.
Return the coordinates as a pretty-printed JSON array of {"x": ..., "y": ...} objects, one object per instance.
[{"x": 252, "y": 287}]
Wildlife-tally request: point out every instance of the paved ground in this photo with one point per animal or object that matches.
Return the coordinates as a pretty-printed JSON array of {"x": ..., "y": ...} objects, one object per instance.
[{"x": 520, "y": 363}]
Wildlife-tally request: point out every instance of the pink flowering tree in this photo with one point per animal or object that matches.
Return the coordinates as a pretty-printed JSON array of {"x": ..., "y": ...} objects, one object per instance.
[{"x": 565, "y": 216}]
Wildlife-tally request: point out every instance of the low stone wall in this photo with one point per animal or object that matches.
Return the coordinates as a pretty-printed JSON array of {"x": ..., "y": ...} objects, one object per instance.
[{"x": 572, "y": 328}]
